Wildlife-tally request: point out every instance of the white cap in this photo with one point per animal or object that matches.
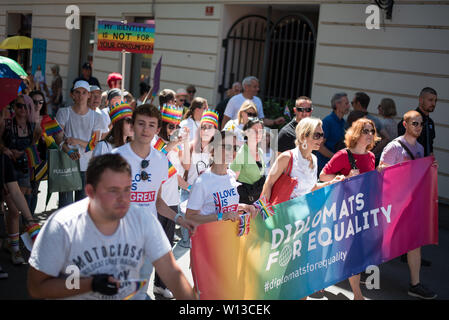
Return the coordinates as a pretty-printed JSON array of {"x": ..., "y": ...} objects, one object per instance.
[
  {"x": 94, "y": 88},
  {"x": 81, "y": 84},
  {"x": 181, "y": 92}
]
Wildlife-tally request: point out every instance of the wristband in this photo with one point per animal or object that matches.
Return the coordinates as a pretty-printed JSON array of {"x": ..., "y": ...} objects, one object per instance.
[
  {"x": 101, "y": 284},
  {"x": 220, "y": 216},
  {"x": 189, "y": 188},
  {"x": 70, "y": 151}
]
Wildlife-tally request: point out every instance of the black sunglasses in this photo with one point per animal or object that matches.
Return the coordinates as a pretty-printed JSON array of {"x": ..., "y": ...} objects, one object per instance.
[
  {"x": 416, "y": 124},
  {"x": 368, "y": 131},
  {"x": 251, "y": 114},
  {"x": 318, "y": 136},
  {"x": 304, "y": 109},
  {"x": 38, "y": 101},
  {"x": 191, "y": 92},
  {"x": 144, "y": 164},
  {"x": 20, "y": 105}
]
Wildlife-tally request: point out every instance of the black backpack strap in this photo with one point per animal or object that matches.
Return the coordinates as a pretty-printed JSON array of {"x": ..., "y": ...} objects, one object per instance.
[
  {"x": 351, "y": 159},
  {"x": 406, "y": 149}
]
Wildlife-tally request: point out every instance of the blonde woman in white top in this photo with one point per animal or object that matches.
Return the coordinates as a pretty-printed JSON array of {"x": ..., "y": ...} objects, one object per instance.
[
  {"x": 309, "y": 136},
  {"x": 247, "y": 110}
]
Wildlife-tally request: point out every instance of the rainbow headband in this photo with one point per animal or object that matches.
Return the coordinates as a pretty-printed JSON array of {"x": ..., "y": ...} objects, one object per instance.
[
  {"x": 120, "y": 111},
  {"x": 171, "y": 114},
  {"x": 210, "y": 117}
]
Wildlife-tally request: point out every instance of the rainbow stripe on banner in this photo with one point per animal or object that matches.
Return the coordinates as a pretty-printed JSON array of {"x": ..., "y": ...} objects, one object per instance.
[
  {"x": 92, "y": 142},
  {"x": 32, "y": 156},
  {"x": 50, "y": 126},
  {"x": 139, "y": 284},
  {"x": 131, "y": 37}
]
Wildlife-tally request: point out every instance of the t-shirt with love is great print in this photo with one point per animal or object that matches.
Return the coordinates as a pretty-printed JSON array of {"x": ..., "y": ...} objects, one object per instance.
[
  {"x": 144, "y": 192},
  {"x": 213, "y": 193}
]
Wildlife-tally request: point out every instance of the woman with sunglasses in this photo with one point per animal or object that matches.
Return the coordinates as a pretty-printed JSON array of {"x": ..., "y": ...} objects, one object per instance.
[
  {"x": 196, "y": 159},
  {"x": 309, "y": 136},
  {"x": 192, "y": 118},
  {"x": 121, "y": 131},
  {"x": 354, "y": 160},
  {"x": 214, "y": 195},
  {"x": 249, "y": 164},
  {"x": 247, "y": 110}
]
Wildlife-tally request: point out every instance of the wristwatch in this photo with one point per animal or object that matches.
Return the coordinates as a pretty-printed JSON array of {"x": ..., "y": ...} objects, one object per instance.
[{"x": 220, "y": 216}]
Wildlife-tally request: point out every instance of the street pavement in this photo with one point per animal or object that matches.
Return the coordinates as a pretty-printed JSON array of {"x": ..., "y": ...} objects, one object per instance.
[{"x": 394, "y": 275}]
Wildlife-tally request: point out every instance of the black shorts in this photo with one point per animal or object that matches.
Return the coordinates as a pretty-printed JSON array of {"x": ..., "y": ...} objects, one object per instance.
[{"x": 7, "y": 172}]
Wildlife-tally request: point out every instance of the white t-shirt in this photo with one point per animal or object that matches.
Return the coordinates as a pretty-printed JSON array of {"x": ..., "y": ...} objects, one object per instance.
[
  {"x": 212, "y": 193},
  {"x": 394, "y": 152},
  {"x": 102, "y": 147},
  {"x": 80, "y": 127},
  {"x": 307, "y": 177},
  {"x": 144, "y": 193},
  {"x": 234, "y": 104},
  {"x": 70, "y": 238},
  {"x": 192, "y": 125}
]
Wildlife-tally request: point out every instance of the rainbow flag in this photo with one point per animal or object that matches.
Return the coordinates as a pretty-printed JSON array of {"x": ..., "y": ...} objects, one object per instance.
[
  {"x": 50, "y": 126},
  {"x": 33, "y": 156},
  {"x": 33, "y": 231},
  {"x": 265, "y": 208},
  {"x": 139, "y": 284},
  {"x": 244, "y": 224},
  {"x": 160, "y": 146},
  {"x": 92, "y": 142}
]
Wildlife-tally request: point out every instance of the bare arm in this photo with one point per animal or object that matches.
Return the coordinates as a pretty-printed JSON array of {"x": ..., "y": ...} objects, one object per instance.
[
  {"x": 173, "y": 277},
  {"x": 325, "y": 151},
  {"x": 276, "y": 170},
  {"x": 195, "y": 216}
]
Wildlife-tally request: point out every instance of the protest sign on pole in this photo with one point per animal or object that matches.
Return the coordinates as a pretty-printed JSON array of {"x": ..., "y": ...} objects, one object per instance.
[
  {"x": 39, "y": 59},
  {"x": 321, "y": 238}
]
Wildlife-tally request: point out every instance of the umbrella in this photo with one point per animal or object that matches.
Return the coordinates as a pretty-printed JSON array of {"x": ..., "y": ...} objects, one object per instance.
[
  {"x": 17, "y": 43},
  {"x": 10, "y": 80}
]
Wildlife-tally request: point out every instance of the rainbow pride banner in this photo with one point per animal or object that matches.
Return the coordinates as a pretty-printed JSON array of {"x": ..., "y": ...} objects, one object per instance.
[
  {"x": 321, "y": 238},
  {"x": 131, "y": 37}
]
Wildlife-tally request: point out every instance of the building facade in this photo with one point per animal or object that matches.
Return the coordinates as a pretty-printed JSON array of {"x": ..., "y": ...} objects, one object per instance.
[{"x": 315, "y": 48}]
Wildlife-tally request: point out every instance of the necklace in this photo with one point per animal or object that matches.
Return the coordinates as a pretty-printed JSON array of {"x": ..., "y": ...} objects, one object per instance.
[{"x": 24, "y": 129}]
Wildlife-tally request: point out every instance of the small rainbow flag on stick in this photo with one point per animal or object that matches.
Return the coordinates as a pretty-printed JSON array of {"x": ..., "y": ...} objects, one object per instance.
[
  {"x": 50, "y": 126},
  {"x": 92, "y": 142},
  {"x": 244, "y": 224},
  {"x": 33, "y": 156},
  {"x": 160, "y": 146},
  {"x": 264, "y": 207},
  {"x": 138, "y": 283}
]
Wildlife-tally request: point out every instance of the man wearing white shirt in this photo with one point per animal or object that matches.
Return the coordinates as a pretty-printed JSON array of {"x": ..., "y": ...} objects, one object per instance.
[{"x": 250, "y": 89}]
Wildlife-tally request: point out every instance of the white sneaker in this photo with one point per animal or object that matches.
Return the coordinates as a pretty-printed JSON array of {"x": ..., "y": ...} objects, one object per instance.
[
  {"x": 163, "y": 292},
  {"x": 17, "y": 258},
  {"x": 3, "y": 274}
]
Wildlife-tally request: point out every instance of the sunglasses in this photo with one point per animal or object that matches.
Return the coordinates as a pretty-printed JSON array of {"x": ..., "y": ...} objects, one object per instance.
[
  {"x": 304, "y": 109},
  {"x": 318, "y": 136},
  {"x": 368, "y": 131},
  {"x": 251, "y": 114},
  {"x": 182, "y": 100},
  {"x": 191, "y": 92},
  {"x": 144, "y": 164},
  {"x": 38, "y": 101},
  {"x": 20, "y": 105},
  {"x": 172, "y": 126},
  {"x": 417, "y": 124}
]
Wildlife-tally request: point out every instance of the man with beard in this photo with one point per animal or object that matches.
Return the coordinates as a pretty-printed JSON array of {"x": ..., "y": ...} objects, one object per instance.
[
  {"x": 427, "y": 103},
  {"x": 405, "y": 148}
]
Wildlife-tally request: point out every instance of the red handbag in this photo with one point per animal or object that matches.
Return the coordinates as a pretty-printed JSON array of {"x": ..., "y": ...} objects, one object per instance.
[{"x": 284, "y": 185}]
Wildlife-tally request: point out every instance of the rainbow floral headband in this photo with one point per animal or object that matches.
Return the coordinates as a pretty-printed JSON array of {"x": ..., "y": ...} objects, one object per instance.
[
  {"x": 210, "y": 117},
  {"x": 120, "y": 111},
  {"x": 171, "y": 114}
]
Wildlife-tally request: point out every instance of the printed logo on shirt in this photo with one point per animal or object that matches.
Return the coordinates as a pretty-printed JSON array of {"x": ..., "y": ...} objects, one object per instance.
[
  {"x": 222, "y": 200},
  {"x": 147, "y": 196}
]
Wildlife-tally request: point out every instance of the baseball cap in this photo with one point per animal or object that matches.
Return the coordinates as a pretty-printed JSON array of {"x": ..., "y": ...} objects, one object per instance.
[
  {"x": 81, "y": 84},
  {"x": 94, "y": 88},
  {"x": 114, "y": 93},
  {"x": 87, "y": 65},
  {"x": 181, "y": 92}
]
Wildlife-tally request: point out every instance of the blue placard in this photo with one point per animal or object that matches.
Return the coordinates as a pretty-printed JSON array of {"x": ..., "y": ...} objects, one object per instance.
[{"x": 39, "y": 58}]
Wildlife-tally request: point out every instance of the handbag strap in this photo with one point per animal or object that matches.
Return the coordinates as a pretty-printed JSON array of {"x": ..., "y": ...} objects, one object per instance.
[
  {"x": 290, "y": 164},
  {"x": 351, "y": 159},
  {"x": 406, "y": 149}
]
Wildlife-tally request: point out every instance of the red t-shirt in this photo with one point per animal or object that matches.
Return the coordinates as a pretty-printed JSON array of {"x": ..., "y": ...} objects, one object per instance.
[{"x": 339, "y": 164}]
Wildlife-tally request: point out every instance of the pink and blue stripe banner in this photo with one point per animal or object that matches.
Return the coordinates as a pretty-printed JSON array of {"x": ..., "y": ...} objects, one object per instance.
[{"x": 321, "y": 238}]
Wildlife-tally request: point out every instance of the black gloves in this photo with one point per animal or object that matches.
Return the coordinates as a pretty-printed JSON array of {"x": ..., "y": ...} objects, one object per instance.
[{"x": 101, "y": 284}]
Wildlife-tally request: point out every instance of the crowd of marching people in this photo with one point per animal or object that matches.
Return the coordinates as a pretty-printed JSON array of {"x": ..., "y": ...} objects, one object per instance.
[{"x": 178, "y": 162}]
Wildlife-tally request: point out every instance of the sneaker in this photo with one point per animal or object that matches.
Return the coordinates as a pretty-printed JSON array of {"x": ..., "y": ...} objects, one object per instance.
[
  {"x": 17, "y": 258},
  {"x": 363, "y": 277},
  {"x": 3, "y": 274},
  {"x": 419, "y": 291},
  {"x": 163, "y": 292}
]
